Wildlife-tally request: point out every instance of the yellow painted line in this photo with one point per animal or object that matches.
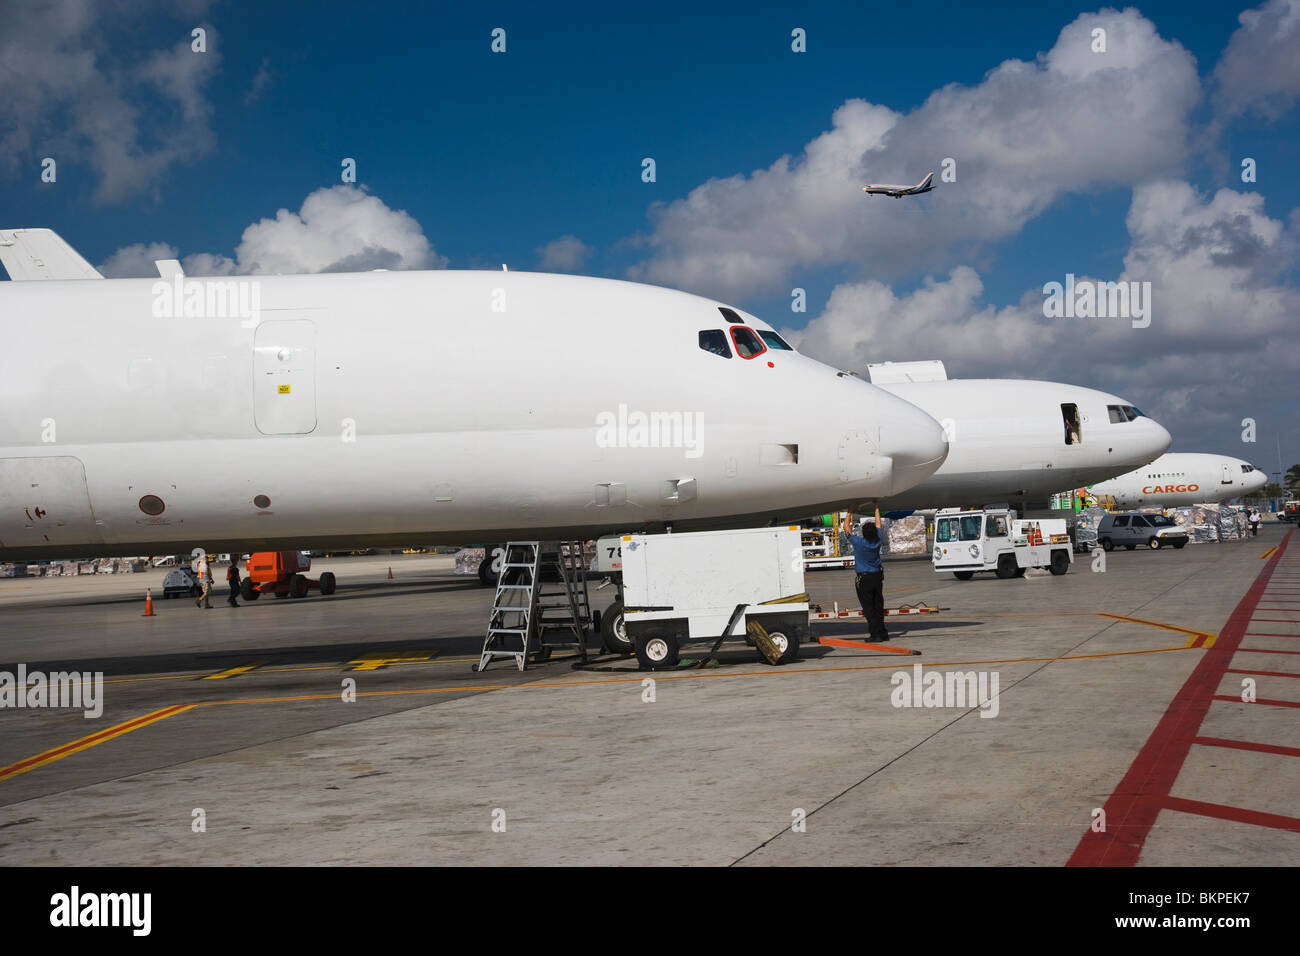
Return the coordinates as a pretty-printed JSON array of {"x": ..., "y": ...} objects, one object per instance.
[
  {"x": 1168, "y": 627},
  {"x": 1268, "y": 553},
  {"x": 372, "y": 662},
  {"x": 235, "y": 671},
  {"x": 117, "y": 730}
]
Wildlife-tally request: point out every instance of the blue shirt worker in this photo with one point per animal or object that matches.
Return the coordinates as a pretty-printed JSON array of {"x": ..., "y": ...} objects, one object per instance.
[{"x": 869, "y": 581}]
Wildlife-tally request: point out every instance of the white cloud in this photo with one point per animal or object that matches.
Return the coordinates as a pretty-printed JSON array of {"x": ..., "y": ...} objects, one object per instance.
[
  {"x": 1023, "y": 137},
  {"x": 566, "y": 254},
  {"x": 1221, "y": 344},
  {"x": 338, "y": 229},
  {"x": 136, "y": 261},
  {"x": 1260, "y": 69},
  {"x": 70, "y": 95}
]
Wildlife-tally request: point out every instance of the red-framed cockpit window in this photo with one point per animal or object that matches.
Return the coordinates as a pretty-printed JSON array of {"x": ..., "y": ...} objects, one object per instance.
[{"x": 748, "y": 344}]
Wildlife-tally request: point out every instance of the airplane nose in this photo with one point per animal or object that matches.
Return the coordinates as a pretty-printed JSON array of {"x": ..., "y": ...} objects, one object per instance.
[
  {"x": 1156, "y": 438},
  {"x": 915, "y": 441}
]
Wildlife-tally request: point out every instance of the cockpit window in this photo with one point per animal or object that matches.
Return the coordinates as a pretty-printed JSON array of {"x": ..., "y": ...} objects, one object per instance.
[
  {"x": 1247, "y": 469},
  {"x": 748, "y": 344},
  {"x": 731, "y": 315},
  {"x": 1133, "y": 413},
  {"x": 715, "y": 341},
  {"x": 774, "y": 341},
  {"x": 1122, "y": 413}
]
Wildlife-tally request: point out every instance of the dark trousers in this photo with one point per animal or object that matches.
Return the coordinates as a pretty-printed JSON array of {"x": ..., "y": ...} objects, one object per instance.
[
  {"x": 870, "y": 586},
  {"x": 234, "y": 593}
]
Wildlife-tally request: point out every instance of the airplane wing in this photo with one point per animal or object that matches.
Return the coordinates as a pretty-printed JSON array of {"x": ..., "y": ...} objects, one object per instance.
[{"x": 41, "y": 254}]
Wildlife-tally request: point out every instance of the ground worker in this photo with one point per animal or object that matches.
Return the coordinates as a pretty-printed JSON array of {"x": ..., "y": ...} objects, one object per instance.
[
  {"x": 1254, "y": 522},
  {"x": 205, "y": 582},
  {"x": 232, "y": 578},
  {"x": 870, "y": 578}
]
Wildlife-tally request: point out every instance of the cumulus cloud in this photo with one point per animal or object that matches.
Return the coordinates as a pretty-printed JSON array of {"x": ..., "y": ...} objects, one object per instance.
[
  {"x": 68, "y": 94},
  {"x": 1259, "y": 72},
  {"x": 338, "y": 229},
  {"x": 136, "y": 261},
  {"x": 1028, "y": 134},
  {"x": 566, "y": 254},
  {"x": 1221, "y": 342}
]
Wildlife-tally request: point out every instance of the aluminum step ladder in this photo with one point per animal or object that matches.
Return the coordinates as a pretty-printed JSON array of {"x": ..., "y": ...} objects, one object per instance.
[{"x": 527, "y": 616}]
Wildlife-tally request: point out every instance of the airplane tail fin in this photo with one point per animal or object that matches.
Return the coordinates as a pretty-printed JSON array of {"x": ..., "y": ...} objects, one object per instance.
[
  {"x": 41, "y": 254},
  {"x": 926, "y": 184}
]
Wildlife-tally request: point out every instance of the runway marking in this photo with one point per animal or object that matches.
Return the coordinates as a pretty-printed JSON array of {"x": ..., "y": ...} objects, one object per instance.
[
  {"x": 1197, "y": 638},
  {"x": 235, "y": 671},
  {"x": 1269, "y": 553},
  {"x": 1234, "y": 670},
  {"x": 1247, "y": 745},
  {"x": 58, "y": 753},
  {"x": 1146, "y": 789},
  {"x": 1235, "y": 814},
  {"x": 1267, "y": 634},
  {"x": 377, "y": 659},
  {"x": 1260, "y": 700}
]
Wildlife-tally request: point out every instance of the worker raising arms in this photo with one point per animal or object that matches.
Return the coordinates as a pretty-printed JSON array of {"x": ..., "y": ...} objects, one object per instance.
[{"x": 869, "y": 581}]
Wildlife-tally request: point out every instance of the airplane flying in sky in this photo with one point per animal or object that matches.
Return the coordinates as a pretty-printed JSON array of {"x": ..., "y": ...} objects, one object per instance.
[
  {"x": 151, "y": 416},
  {"x": 898, "y": 192},
  {"x": 1017, "y": 442},
  {"x": 1183, "y": 479}
]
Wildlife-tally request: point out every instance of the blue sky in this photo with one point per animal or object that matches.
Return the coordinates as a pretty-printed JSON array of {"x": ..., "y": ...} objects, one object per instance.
[{"x": 496, "y": 155}]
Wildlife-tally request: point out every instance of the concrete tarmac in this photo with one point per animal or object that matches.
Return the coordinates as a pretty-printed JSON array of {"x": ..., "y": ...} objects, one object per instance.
[{"x": 1117, "y": 693}]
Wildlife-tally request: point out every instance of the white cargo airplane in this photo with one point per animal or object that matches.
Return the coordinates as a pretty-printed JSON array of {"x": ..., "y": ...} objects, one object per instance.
[
  {"x": 1017, "y": 442},
  {"x": 1183, "y": 479},
  {"x": 150, "y": 416},
  {"x": 898, "y": 192}
]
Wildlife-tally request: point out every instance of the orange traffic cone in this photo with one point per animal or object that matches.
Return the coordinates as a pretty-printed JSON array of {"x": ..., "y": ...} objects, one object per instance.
[
  {"x": 148, "y": 604},
  {"x": 390, "y": 572}
]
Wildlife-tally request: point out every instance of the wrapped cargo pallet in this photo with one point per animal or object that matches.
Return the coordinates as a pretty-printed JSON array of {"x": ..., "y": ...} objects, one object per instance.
[
  {"x": 1228, "y": 523},
  {"x": 1085, "y": 528},
  {"x": 468, "y": 560},
  {"x": 904, "y": 535}
]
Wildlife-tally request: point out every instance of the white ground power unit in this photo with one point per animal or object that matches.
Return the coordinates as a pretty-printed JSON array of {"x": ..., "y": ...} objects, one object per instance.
[{"x": 693, "y": 587}]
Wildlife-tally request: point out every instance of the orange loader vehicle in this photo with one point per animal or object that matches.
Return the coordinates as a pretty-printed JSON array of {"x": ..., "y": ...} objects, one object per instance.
[{"x": 280, "y": 573}]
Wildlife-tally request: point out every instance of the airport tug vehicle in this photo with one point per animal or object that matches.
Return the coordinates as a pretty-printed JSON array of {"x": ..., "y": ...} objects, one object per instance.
[
  {"x": 714, "y": 585},
  {"x": 281, "y": 573},
  {"x": 995, "y": 540}
]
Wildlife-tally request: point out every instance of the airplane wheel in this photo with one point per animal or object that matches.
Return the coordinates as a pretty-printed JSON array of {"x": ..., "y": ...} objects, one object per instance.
[
  {"x": 1006, "y": 567},
  {"x": 595, "y": 621},
  {"x": 485, "y": 575},
  {"x": 1107, "y": 544},
  {"x": 659, "y": 652},
  {"x": 298, "y": 586},
  {"x": 327, "y": 583},
  {"x": 1060, "y": 562},
  {"x": 613, "y": 630},
  {"x": 1153, "y": 543},
  {"x": 963, "y": 575}
]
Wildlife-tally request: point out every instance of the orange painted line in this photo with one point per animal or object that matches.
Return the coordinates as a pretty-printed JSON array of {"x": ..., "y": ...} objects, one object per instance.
[
  {"x": 58, "y": 753},
  {"x": 862, "y": 645},
  {"x": 1167, "y": 627}
]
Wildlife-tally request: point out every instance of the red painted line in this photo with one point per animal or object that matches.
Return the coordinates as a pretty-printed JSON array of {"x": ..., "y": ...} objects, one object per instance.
[
  {"x": 1234, "y": 670},
  {"x": 1247, "y": 745},
  {"x": 1264, "y": 634},
  {"x": 1132, "y": 808},
  {"x": 1272, "y": 703},
  {"x": 1263, "y": 650},
  {"x": 1276, "y": 620},
  {"x": 1235, "y": 814}
]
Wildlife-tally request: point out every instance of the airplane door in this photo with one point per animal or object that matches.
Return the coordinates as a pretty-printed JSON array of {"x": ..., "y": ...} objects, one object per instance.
[
  {"x": 284, "y": 377},
  {"x": 45, "y": 501},
  {"x": 1227, "y": 475}
]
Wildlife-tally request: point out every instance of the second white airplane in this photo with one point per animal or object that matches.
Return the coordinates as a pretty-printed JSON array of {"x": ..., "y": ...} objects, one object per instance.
[{"x": 1183, "y": 479}]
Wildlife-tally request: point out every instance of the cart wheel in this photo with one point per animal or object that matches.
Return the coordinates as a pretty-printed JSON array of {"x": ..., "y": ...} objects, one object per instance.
[
  {"x": 787, "y": 644},
  {"x": 1006, "y": 566},
  {"x": 659, "y": 652},
  {"x": 613, "y": 630},
  {"x": 1060, "y": 562},
  {"x": 963, "y": 575},
  {"x": 327, "y": 583},
  {"x": 298, "y": 586},
  {"x": 247, "y": 591}
]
